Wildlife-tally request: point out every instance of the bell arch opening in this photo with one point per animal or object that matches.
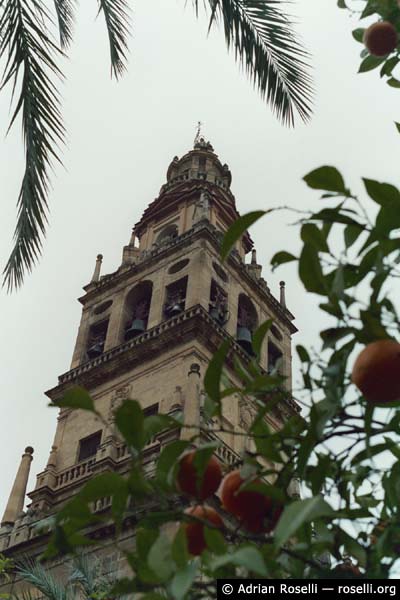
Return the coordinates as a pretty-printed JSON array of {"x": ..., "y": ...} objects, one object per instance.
[
  {"x": 247, "y": 323},
  {"x": 166, "y": 235},
  {"x": 137, "y": 309}
]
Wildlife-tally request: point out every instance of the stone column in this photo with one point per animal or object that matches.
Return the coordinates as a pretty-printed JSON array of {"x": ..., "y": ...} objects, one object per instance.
[
  {"x": 79, "y": 351},
  {"x": 157, "y": 301},
  {"x": 191, "y": 410},
  {"x": 114, "y": 324},
  {"x": 199, "y": 281},
  {"x": 97, "y": 269},
  {"x": 16, "y": 500}
]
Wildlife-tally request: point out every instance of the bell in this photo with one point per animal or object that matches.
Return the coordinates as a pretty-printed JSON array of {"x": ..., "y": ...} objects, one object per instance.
[
  {"x": 243, "y": 337},
  {"x": 95, "y": 350},
  {"x": 136, "y": 328},
  {"x": 176, "y": 309}
]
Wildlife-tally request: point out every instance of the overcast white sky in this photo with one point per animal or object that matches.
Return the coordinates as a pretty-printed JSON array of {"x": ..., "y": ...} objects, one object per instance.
[{"x": 122, "y": 137}]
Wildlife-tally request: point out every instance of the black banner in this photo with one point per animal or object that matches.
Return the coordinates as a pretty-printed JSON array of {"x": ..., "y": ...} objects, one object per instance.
[{"x": 320, "y": 589}]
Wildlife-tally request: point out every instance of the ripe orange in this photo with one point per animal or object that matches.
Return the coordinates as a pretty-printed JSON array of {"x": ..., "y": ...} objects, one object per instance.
[
  {"x": 188, "y": 481},
  {"x": 347, "y": 570},
  {"x": 381, "y": 38},
  {"x": 376, "y": 371},
  {"x": 195, "y": 530},
  {"x": 256, "y": 512}
]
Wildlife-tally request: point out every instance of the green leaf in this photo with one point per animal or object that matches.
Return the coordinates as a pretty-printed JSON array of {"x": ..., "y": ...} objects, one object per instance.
[
  {"x": 130, "y": 420},
  {"x": 297, "y": 513},
  {"x": 333, "y": 215},
  {"x": 397, "y": 126},
  {"x": 237, "y": 229},
  {"x": 326, "y": 178},
  {"x": 382, "y": 193},
  {"x": 332, "y": 335},
  {"x": 358, "y": 34},
  {"x": 145, "y": 538},
  {"x": 310, "y": 234},
  {"x": 341, "y": 4},
  {"x": 168, "y": 459},
  {"x": 280, "y": 258},
  {"x": 259, "y": 335},
  {"x": 389, "y": 65},
  {"x": 370, "y": 62},
  {"x": 248, "y": 557},
  {"x": 183, "y": 579},
  {"x": 310, "y": 270},
  {"x": 393, "y": 82},
  {"x": 156, "y": 423},
  {"x": 351, "y": 234},
  {"x": 159, "y": 559},
  {"x": 179, "y": 550},
  {"x": 77, "y": 397},
  {"x": 215, "y": 540},
  {"x": 302, "y": 353},
  {"x": 212, "y": 377}
]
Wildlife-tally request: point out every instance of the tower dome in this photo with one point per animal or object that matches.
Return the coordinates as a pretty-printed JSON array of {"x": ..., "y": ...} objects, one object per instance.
[{"x": 200, "y": 163}]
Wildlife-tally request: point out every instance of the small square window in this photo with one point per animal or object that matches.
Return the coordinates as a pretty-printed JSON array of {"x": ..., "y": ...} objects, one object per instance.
[
  {"x": 151, "y": 410},
  {"x": 88, "y": 446}
]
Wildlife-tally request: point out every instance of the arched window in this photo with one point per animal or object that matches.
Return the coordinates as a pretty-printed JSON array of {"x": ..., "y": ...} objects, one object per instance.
[
  {"x": 96, "y": 339},
  {"x": 137, "y": 308},
  {"x": 218, "y": 305},
  {"x": 175, "y": 298},
  {"x": 166, "y": 235},
  {"x": 247, "y": 322},
  {"x": 274, "y": 358}
]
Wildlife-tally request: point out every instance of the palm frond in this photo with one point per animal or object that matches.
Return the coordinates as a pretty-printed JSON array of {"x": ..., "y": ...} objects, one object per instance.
[
  {"x": 117, "y": 18},
  {"x": 87, "y": 573},
  {"x": 264, "y": 43},
  {"x": 65, "y": 10},
  {"x": 26, "y": 595},
  {"x": 30, "y": 58},
  {"x": 35, "y": 574}
]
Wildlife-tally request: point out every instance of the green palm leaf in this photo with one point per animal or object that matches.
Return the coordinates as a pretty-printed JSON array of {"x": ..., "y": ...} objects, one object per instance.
[
  {"x": 263, "y": 41},
  {"x": 41, "y": 579},
  {"x": 30, "y": 60},
  {"x": 116, "y": 15},
  {"x": 65, "y": 10}
]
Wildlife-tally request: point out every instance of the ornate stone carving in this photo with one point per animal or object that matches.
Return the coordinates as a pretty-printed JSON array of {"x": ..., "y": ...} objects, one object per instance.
[
  {"x": 247, "y": 414},
  {"x": 202, "y": 207},
  {"x": 120, "y": 394}
]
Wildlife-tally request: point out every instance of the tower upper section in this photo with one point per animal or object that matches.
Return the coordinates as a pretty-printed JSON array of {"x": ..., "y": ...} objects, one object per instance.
[
  {"x": 197, "y": 187},
  {"x": 171, "y": 264}
]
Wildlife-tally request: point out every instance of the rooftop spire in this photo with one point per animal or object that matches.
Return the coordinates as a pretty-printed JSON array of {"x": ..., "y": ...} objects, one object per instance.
[
  {"x": 97, "y": 268},
  {"x": 16, "y": 500},
  {"x": 198, "y": 133},
  {"x": 282, "y": 294}
]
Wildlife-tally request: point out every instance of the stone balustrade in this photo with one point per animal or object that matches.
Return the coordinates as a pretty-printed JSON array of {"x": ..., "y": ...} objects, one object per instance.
[{"x": 82, "y": 469}]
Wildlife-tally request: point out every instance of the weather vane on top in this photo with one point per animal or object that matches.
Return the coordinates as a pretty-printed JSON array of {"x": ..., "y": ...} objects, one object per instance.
[{"x": 198, "y": 132}]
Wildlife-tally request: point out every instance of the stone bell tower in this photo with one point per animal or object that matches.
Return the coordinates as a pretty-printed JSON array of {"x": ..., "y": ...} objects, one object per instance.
[{"x": 148, "y": 331}]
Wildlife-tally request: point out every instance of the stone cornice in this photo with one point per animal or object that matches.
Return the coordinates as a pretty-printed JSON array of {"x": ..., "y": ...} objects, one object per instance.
[
  {"x": 194, "y": 323},
  {"x": 202, "y": 230}
]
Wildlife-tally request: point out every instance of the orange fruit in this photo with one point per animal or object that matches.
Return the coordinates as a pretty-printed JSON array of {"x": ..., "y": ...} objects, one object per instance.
[
  {"x": 195, "y": 530},
  {"x": 381, "y": 38},
  {"x": 256, "y": 512},
  {"x": 188, "y": 481},
  {"x": 347, "y": 570},
  {"x": 376, "y": 371}
]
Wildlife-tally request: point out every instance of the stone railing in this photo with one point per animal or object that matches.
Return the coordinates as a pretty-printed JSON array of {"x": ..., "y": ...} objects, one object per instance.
[
  {"x": 223, "y": 451},
  {"x": 82, "y": 469},
  {"x": 152, "y": 333}
]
